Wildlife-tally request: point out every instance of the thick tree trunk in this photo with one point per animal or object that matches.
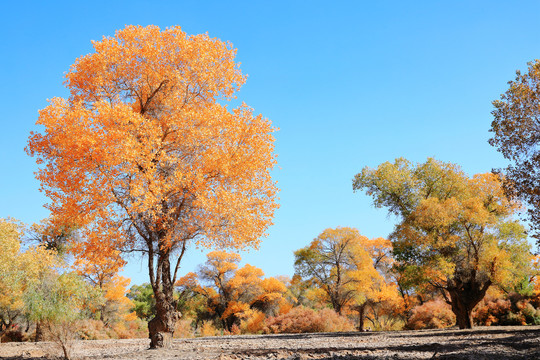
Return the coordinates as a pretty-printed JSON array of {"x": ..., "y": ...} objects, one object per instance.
[
  {"x": 161, "y": 327},
  {"x": 463, "y": 314},
  {"x": 464, "y": 296}
]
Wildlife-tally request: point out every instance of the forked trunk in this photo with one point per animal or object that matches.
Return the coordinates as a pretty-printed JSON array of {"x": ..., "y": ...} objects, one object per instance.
[{"x": 464, "y": 296}]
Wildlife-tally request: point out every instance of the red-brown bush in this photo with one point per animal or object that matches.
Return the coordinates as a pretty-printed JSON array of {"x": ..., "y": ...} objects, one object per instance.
[
  {"x": 305, "y": 320},
  {"x": 491, "y": 311},
  {"x": 434, "y": 314}
]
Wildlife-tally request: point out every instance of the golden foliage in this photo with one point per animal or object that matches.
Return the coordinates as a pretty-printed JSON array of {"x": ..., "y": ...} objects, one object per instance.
[
  {"x": 253, "y": 323},
  {"x": 236, "y": 295},
  {"x": 19, "y": 269},
  {"x": 208, "y": 329},
  {"x": 347, "y": 269},
  {"x": 183, "y": 329},
  {"x": 145, "y": 153}
]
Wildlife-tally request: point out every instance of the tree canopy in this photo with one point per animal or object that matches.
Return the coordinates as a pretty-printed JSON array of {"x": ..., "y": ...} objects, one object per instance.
[
  {"x": 455, "y": 233},
  {"x": 145, "y": 155},
  {"x": 20, "y": 270},
  {"x": 516, "y": 134},
  {"x": 344, "y": 265}
]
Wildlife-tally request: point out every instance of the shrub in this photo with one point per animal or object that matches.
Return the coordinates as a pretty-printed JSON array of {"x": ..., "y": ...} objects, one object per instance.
[
  {"x": 63, "y": 334},
  {"x": 138, "y": 328},
  {"x": 513, "y": 319},
  {"x": 254, "y": 323},
  {"x": 208, "y": 329},
  {"x": 304, "y": 320},
  {"x": 92, "y": 330},
  {"x": 96, "y": 330},
  {"x": 121, "y": 331},
  {"x": 386, "y": 323},
  {"x": 434, "y": 314},
  {"x": 532, "y": 315},
  {"x": 60, "y": 302},
  {"x": 491, "y": 311},
  {"x": 184, "y": 329},
  {"x": 235, "y": 330}
]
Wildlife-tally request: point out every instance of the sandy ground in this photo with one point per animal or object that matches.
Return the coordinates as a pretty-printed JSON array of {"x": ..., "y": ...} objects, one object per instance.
[{"x": 478, "y": 344}]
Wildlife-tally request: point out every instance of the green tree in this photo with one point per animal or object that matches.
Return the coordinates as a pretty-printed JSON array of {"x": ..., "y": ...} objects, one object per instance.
[
  {"x": 58, "y": 302},
  {"x": 516, "y": 134},
  {"x": 19, "y": 270},
  {"x": 455, "y": 233},
  {"x": 143, "y": 298}
]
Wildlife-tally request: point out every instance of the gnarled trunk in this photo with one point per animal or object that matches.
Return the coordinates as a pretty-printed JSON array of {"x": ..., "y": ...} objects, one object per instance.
[
  {"x": 161, "y": 327},
  {"x": 464, "y": 296},
  {"x": 463, "y": 312}
]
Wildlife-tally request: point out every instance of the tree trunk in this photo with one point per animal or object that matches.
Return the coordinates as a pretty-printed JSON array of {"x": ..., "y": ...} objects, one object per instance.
[
  {"x": 464, "y": 296},
  {"x": 361, "y": 310},
  {"x": 161, "y": 327},
  {"x": 463, "y": 314},
  {"x": 39, "y": 332},
  {"x": 335, "y": 301}
]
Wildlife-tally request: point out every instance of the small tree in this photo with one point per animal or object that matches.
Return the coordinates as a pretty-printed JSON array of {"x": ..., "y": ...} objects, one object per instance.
[
  {"x": 341, "y": 263},
  {"x": 235, "y": 296},
  {"x": 327, "y": 261},
  {"x": 58, "y": 302},
  {"x": 144, "y": 303},
  {"x": 19, "y": 270}
]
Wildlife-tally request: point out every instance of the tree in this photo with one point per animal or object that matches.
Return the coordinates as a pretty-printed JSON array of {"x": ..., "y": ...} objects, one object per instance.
[
  {"x": 11, "y": 273},
  {"x": 455, "y": 233},
  {"x": 190, "y": 302},
  {"x": 516, "y": 134},
  {"x": 116, "y": 306},
  {"x": 144, "y": 303},
  {"x": 100, "y": 268},
  {"x": 377, "y": 298},
  {"x": 19, "y": 270},
  {"x": 145, "y": 156},
  {"x": 338, "y": 263},
  {"x": 58, "y": 302},
  {"x": 219, "y": 268},
  {"x": 253, "y": 296},
  {"x": 51, "y": 236},
  {"x": 234, "y": 294}
]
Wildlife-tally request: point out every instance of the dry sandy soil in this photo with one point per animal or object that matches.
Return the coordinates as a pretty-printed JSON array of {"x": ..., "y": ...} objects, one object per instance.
[{"x": 478, "y": 344}]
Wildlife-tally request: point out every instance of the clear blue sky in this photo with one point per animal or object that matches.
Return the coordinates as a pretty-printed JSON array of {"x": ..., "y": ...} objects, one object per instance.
[{"x": 350, "y": 84}]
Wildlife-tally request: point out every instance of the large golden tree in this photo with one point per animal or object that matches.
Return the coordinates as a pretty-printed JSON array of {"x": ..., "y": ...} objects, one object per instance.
[
  {"x": 145, "y": 155},
  {"x": 455, "y": 234}
]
